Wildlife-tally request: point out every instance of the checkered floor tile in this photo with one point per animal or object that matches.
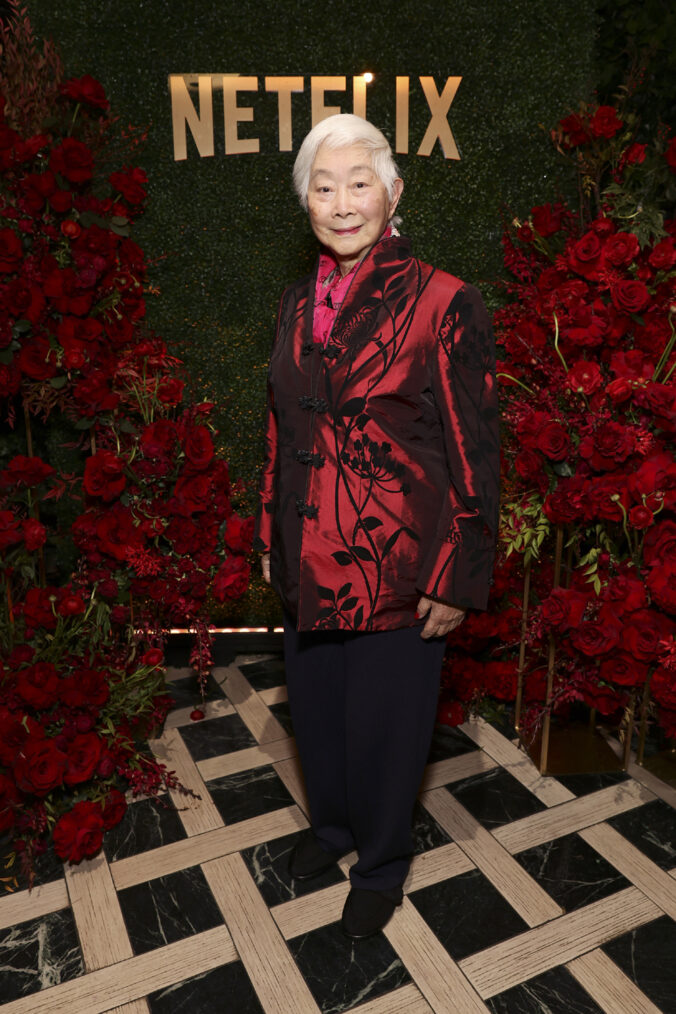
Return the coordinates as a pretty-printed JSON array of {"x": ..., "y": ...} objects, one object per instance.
[{"x": 526, "y": 893}]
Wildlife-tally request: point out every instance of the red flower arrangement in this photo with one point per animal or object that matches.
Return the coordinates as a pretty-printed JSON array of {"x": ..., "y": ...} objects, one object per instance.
[
  {"x": 588, "y": 374},
  {"x": 153, "y": 534}
]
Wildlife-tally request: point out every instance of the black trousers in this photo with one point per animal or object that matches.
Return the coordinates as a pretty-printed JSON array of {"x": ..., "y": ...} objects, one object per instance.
[{"x": 363, "y": 708}]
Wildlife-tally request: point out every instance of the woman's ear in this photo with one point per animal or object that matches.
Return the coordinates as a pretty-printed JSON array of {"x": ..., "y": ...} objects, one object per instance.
[{"x": 397, "y": 192}]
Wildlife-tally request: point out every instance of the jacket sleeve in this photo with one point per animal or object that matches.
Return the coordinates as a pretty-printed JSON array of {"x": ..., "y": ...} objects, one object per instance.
[
  {"x": 267, "y": 485},
  {"x": 459, "y": 565}
]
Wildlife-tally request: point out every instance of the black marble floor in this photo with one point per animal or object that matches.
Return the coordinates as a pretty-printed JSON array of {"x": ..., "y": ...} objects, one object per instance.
[{"x": 199, "y": 933}]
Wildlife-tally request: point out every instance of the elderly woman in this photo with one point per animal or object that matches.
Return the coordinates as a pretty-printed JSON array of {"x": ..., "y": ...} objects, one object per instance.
[{"x": 379, "y": 505}]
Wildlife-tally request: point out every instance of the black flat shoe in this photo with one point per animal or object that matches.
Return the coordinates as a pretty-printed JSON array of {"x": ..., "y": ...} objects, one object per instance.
[
  {"x": 308, "y": 859},
  {"x": 366, "y": 913}
]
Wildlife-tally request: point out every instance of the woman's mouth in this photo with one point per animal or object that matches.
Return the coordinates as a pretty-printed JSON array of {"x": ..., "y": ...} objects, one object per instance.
[{"x": 347, "y": 232}]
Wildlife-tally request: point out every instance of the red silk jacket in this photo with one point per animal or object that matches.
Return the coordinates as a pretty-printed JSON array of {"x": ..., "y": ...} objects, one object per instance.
[{"x": 381, "y": 475}]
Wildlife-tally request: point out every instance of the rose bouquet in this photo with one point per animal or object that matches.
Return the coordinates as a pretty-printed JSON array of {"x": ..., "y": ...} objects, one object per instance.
[
  {"x": 588, "y": 377},
  {"x": 140, "y": 532}
]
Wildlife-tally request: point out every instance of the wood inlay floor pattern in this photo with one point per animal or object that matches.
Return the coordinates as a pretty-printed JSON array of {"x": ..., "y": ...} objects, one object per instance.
[{"x": 248, "y": 804}]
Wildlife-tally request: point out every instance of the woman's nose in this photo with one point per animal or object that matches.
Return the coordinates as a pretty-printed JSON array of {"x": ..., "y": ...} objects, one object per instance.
[{"x": 342, "y": 204}]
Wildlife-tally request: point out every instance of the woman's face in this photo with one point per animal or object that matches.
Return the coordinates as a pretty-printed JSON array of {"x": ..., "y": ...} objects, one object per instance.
[{"x": 349, "y": 206}]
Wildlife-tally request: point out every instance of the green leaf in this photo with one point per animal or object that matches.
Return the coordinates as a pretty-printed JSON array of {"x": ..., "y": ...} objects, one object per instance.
[{"x": 58, "y": 382}]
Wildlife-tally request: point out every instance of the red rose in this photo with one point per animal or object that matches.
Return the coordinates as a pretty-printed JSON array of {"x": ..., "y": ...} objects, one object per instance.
[
  {"x": 34, "y": 534},
  {"x": 153, "y": 657},
  {"x": 659, "y": 547},
  {"x": 87, "y": 90},
  {"x": 641, "y": 517},
  {"x": 232, "y": 579},
  {"x": 564, "y": 608},
  {"x": 24, "y": 300},
  {"x": 663, "y": 255},
  {"x": 554, "y": 442},
  {"x": 670, "y": 154},
  {"x": 25, "y": 472},
  {"x": 84, "y": 752},
  {"x": 605, "y": 122},
  {"x": 576, "y": 129},
  {"x": 114, "y": 809},
  {"x": 79, "y": 833},
  {"x": 71, "y": 604},
  {"x": 10, "y": 530},
  {"x": 619, "y": 390},
  {"x": 192, "y": 495},
  {"x": 623, "y": 669},
  {"x": 643, "y": 632},
  {"x": 198, "y": 448},
  {"x": 635, "y": 154},
  {"x": 663, "y": 687},
  {"x": 73, "y": 160},
  {"x": 621, "y": 249},
  {"x": 39, "y": 766},
  {"x": 36, "y": 358},
  {"x": 584, "y": 377},
  {"x": 625, "y": 593},
  {"x": 158, "y": 439},
  {"x": 596, "y": 637},
  {"x": 85, "y": 687},
  {"x": 185, "y": 535},
  {"x": 67, "y": 292},
  {"x": 630, "y": 296},
  {"x": 117, "y": 532},
  {"x": 131, "y": 184},
  {"x": 170, "y": 390},
  {"x": 104, "y": 475},
  {"x": 605, "y": 493},
  {"x": 239, "y": 534},
  {"x": 566, "y": 502},
  {"x": 450, "y": 713},
  {"x": 11, "y": 251},
  {"x": 38, "y": 610},
  {"x": 528, "y": 463},
  {"x": 610, "y": 445},
  {"x": 38, "y": 685},
  {"x": 584, "y": 256},
  {"x": 92, "y": 394},
  {"x": 547, "y": 220},
  {"x": 606, "y": 700},
  {"x": 70, "y": 228},
  {"x": 661, "y": 582},
  {"x": 15, "y": 729}
]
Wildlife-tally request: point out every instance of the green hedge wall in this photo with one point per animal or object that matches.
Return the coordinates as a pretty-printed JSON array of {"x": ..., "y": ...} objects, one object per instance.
[{"x": 227, "y": 231}]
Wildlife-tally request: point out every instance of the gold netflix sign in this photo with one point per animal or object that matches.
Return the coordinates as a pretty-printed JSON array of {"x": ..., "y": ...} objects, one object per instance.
[{"x": 192, "y": 109}]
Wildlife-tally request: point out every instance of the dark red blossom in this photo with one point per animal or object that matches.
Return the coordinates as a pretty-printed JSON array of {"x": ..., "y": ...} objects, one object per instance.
[
  {"x": 104, "y": 476},
  {"x": 86, "y": 90},
  {"x": 78, "y": 834},
  {"x": 73, "y": 160}
]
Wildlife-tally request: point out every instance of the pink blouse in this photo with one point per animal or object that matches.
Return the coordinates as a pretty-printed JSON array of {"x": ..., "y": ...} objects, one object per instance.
[{"x": 330, "y": 291}]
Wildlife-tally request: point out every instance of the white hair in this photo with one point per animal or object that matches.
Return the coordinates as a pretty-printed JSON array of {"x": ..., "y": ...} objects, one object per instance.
[{"x": 342, "y": 131}]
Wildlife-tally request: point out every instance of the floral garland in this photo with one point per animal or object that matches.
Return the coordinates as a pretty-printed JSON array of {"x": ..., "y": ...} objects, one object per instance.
[
  {"x": 588, "y": 377},
  {"x": 150, "y": 522}
]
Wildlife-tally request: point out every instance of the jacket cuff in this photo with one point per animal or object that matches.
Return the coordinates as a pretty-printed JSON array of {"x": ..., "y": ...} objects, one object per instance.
[{"x": 458, "y": 575}]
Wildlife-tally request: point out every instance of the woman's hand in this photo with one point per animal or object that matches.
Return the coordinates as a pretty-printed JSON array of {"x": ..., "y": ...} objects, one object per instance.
[
  {"x": 265, "y": 567},
  {"x": 441, "y": 618}
]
